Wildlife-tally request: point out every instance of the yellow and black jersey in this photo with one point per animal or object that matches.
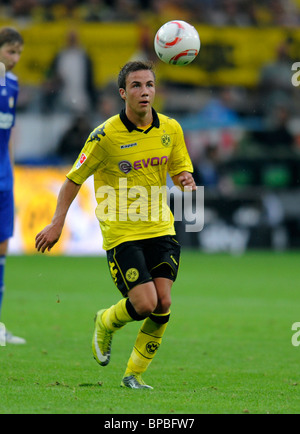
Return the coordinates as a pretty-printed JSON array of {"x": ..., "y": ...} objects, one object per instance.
[{"x": 130, "y": 167}]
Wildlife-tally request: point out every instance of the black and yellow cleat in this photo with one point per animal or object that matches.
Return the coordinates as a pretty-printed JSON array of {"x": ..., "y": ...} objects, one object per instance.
[{"x": 102, "y": 339}]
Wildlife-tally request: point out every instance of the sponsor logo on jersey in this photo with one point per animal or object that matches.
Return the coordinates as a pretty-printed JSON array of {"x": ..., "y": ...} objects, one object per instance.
[
  {"x": 131, "y": 145},
  {"x": 155, "y": 161},
  {"x": 6, "y": 120},
  {"x": 125, "y": 166}
]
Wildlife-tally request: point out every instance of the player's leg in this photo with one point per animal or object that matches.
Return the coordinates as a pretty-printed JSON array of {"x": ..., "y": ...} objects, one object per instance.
[
  {"x": 128, "y": 270},
  {"x": 163, "y": 257},
  {"x": 3, "y": 252},
  {"x": 6, "y": 231},
  {"x": 149, "y": 336}
]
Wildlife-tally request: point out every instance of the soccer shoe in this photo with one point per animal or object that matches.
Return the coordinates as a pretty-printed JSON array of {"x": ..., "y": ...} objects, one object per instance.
[
  {"x": 102, "y": 338},
  {"x": 134, "y": 381},
  {"x": 15, "y": 340}
]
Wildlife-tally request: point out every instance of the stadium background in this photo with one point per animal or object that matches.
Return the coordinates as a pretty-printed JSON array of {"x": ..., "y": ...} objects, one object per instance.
[{"x": 236, "y": 104}]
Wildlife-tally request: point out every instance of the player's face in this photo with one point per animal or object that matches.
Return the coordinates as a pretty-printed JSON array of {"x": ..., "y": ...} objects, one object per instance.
[
  {"x": 139, "y": 93},
  {"x": 10, "y": 55}
]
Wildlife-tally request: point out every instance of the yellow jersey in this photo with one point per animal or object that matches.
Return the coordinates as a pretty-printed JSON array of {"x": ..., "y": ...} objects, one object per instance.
[{"x": 130, "y": 167}]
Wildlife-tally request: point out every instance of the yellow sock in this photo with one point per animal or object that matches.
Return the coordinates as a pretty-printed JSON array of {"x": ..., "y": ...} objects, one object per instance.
[
  {"x": 147, "y": 343},
  {"x": 116, "y": 316}
]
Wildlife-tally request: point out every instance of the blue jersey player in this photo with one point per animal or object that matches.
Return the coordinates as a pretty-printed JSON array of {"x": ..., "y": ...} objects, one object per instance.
[{"x": 11, "y": 46}]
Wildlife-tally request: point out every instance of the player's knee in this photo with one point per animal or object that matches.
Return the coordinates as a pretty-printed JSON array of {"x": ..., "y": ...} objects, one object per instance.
[
  {"x": 164, "y": 304},
  {"x": 140, "y": 308},
  {"x": 145, "y": 308},
  {"x": 144, "y": 299},
  {"x": 145, "y": 305}
]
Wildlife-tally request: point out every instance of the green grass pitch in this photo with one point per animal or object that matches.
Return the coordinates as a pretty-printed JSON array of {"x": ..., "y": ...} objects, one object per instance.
[{"x": 227, "y": 348}]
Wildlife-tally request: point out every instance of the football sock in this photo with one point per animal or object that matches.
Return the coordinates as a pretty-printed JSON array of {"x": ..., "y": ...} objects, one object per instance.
[
  {"x": 147, "y": 343},
  {"x": 2, "y": 265},
  {"x": 119, "y": 314}
]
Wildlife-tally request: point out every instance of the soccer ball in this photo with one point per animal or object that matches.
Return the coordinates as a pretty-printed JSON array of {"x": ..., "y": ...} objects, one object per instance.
[{"x": 177, "y": 43}]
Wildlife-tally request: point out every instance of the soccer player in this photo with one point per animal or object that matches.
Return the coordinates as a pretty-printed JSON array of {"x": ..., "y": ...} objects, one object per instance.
[
  {"x": 11, "y": 47},
  {"x": 129, "y": 155}
]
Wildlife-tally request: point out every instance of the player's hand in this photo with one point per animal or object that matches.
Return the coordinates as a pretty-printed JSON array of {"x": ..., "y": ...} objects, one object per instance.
[
  {"x": 185, "y": 181},
  {"x": 47, "y": 238}
]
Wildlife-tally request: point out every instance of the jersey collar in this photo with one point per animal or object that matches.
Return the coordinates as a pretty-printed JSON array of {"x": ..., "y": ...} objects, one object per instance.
[{"x": 131, "y": 127}]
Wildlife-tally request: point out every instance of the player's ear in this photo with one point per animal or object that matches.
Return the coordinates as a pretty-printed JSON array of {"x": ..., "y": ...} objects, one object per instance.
[{"x": 122, "y": 93}]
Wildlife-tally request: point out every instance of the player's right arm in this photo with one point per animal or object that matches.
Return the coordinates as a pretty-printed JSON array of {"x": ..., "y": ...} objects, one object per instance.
[
  {"x": 50, "y": 235},
  {"x": 89, "y": 160}
]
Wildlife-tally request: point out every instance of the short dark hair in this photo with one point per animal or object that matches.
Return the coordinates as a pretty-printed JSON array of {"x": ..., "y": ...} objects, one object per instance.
[
  {"x": 9, "y": 35},
  {"x": 133, "y": 67}
]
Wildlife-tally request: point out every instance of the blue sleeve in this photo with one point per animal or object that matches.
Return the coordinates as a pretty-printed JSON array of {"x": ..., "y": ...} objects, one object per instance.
[{"x": 15, "y": 105}]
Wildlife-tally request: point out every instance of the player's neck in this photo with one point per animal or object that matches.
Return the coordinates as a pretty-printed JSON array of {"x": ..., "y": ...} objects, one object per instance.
[{"x": 140, "y": 120}]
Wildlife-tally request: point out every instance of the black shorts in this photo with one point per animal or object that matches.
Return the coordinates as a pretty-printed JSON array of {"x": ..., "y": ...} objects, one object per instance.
[{"x": 135, "y": 262}]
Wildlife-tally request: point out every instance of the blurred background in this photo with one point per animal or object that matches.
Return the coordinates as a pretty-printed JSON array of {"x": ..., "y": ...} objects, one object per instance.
[{"x": 236, "y": 102}]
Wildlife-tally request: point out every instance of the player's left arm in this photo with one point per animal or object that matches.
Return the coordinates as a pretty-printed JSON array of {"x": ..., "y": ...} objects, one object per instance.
[
  {"x": 180, "y": 166},
  {"x": 184, "y": 180}
]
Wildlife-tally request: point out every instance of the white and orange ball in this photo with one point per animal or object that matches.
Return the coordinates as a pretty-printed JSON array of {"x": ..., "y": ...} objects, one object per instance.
[{"x": 177, "y": 43}]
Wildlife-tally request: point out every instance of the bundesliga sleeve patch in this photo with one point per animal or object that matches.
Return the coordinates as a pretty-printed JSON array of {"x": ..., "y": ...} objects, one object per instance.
[{"x": 81, "y": 161}]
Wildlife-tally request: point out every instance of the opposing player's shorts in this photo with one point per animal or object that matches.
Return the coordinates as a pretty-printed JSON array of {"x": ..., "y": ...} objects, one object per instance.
[
  {"x": 135, "y": 262},
  {"x": 6, "y": 215}
]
